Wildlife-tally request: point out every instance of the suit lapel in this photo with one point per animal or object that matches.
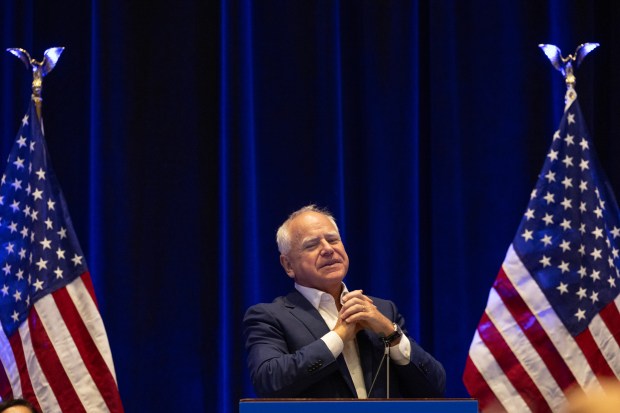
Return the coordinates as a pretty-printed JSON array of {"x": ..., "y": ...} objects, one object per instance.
[{"x": 310, "y": 317}]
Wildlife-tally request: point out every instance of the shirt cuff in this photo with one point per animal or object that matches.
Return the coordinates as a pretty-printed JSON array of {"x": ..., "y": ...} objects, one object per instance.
[
  {"x": 401, "y": 353},
  {"x": 334, "y": 343}
]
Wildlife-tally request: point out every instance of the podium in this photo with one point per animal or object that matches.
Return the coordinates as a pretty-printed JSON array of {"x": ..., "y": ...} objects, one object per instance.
[{"x": 358, "y": 405}]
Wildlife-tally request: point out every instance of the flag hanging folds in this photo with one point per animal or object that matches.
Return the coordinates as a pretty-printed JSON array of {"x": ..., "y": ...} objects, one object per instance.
[
  {"x": 551, "y": 323},
  {"x": 53, "y": 345}
]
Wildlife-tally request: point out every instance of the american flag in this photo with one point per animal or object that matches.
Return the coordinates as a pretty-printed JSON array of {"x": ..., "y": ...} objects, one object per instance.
[
  {"x": 551, "y": 323},
  {"x": 53, "y": 345}
]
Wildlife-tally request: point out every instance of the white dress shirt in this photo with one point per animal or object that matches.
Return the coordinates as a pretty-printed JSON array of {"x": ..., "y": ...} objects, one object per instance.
[{"x": 326, "y": 306}]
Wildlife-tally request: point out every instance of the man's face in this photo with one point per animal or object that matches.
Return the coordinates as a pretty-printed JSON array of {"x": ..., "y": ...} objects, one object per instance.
[{"x": 317, "y": 258}]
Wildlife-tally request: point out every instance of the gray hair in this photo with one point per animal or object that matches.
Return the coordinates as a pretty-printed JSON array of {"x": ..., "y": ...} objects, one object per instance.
[{"x": 283, "y": 236}]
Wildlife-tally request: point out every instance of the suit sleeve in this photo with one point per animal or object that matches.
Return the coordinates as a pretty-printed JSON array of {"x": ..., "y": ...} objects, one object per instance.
[
  {"x": 423, "y": 376},
  {"x": 278, "y": 367}
]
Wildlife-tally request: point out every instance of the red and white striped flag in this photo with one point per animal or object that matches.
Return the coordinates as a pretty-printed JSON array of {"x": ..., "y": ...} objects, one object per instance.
[
  {"x": 53, "y": 345},
  {"x": 551, "y": 324}
]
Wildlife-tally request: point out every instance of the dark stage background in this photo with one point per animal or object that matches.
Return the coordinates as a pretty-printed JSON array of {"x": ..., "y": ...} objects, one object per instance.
[{"x": 184, "y": 132}]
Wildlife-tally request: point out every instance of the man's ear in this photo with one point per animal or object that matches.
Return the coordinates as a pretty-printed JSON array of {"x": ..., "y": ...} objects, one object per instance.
[{"x": 286, "y": 264}]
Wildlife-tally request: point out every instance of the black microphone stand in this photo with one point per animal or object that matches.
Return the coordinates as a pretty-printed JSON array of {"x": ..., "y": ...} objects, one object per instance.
[{"x": 386, "y": 358}]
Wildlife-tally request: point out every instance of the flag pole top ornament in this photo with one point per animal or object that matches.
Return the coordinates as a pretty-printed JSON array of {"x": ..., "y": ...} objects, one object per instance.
[
  {"x": 39, "y": 69},
  {"x": 567, "y": 65}
]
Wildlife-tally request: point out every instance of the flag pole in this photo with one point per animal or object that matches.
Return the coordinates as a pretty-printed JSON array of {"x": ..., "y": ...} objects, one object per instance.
[
  {"x": 565, "y": 65},
  {"x": 39, "y": 70}
]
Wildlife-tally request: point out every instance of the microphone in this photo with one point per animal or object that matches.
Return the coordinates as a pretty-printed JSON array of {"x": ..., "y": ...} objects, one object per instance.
[
  {"x": 386, "y": 358},
  {"x": 387, "y": 341}
]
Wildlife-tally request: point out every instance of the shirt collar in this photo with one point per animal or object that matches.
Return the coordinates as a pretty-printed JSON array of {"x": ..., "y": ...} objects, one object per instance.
[{"x": 314, "y": 296}]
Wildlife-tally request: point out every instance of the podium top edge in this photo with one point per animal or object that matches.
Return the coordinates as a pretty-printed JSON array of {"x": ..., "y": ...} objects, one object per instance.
[{"x": 443, "y": 400}]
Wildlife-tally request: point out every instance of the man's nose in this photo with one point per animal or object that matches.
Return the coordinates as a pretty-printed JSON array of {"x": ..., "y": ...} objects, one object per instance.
[{"x": 326, "y": 248}]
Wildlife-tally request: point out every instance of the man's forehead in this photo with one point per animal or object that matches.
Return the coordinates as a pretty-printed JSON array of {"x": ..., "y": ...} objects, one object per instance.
[
  {"x": 319, "y": 235},
  {"x": 312, "y": 224}
]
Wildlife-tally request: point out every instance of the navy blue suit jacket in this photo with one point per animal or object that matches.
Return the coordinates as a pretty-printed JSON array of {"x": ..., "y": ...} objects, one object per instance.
[{"x": 287, "y": 358}]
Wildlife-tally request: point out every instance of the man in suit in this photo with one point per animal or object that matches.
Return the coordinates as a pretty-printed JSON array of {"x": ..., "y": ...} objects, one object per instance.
[{"x": 324, "y": 341}]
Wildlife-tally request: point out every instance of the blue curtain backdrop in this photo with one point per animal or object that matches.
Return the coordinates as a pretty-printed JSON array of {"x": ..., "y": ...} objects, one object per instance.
[{"x": 184, "y": 133}]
